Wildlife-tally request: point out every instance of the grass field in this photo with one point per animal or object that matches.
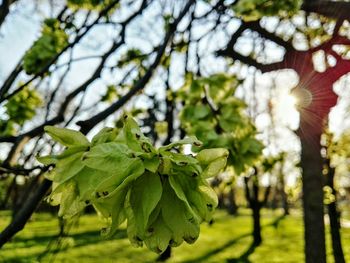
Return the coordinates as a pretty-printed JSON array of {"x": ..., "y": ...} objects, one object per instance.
[{"x": 227, "y": 240}]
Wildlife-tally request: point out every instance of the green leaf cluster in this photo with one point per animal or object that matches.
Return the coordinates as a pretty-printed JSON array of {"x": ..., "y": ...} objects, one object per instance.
[
  {"x": 162, "y": 193},
  {"x": 133, "y": 55},
  {"x": 217, "y": 118},
  {"x": 111, "y": 94},
  {"x": 52, "y": 41},
  {"x": 269, "y": 162},
  {"x": 19, "y": 108},
  {"x": 88, "y": 4},
  {"x": 250, "y": 10}
]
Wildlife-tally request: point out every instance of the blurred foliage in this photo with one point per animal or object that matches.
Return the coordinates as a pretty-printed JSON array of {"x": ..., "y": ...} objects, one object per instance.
[
  {"x": 88, "y": 4},
  {"x": 52, "y": 41},
  {"x": 216, "y": 117},
  {"x": 111, "y": 94},
  {"x": 18, "y": 109},
  {"x": 251, "y": 10}
]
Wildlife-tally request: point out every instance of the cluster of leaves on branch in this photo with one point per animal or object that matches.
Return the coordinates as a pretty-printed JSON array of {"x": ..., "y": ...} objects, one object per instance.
[
  {"x": 18, "y": 109},
  {"x": 250, "y": 10},
  {"x": 134, "y": 57},
  {"x": 88, "y": 4},
  {"x": 269, "y": 162},
  {"x": 111, "y": 94},
  {"x": 337, "y": 151},
  {"x": 162, "y": 193},
  {"x": 215, "y": 116},
  {"x": 52, "y": 41}
]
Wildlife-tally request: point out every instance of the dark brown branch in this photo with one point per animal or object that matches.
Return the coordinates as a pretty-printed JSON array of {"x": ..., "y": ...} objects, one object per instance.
[
  {"x": 17, "y": 170},
  {"x": 252, "y": 62},
  {"x": 5, "y": 9},
  {"x": 331, "y": 9},
  {"x": 255, "y": 26}
]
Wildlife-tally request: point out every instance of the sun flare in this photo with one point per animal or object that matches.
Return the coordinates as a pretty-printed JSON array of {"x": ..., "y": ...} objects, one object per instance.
[{"x": 286, "y": 109}]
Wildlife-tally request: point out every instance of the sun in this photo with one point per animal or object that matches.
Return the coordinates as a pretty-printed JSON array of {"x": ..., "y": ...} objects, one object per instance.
[{"x": 286, "y": 112}]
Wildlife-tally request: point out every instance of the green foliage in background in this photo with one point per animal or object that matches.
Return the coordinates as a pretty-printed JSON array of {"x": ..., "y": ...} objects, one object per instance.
[
  {"x": 217, "y": 118},
  {"x": 88, "y": 4},
  {"x": 52, "y": 41},
  {"x": 250, "y": 10},
  {"x": 18, "y": 109},
  {"x": 162, "y": 193}
]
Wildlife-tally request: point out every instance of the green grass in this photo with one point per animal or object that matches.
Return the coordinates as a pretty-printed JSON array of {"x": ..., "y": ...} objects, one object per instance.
[{"x": 227, "y": 240}]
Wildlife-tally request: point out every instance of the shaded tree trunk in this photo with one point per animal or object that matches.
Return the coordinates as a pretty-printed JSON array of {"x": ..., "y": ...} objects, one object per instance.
[
  {"x": 256, "y": 223},
  {"x": 232, "y": 207},
  {"x": 252, "y": 196},
  {"x": 334, "y": 218},
  {"x": 7, "y": 197},
  {"x": 314, "y": 231},
  {"x": 284, "y": 197}
]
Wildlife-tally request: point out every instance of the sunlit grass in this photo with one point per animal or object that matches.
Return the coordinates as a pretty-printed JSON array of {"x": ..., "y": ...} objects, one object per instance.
[{"x": 227, "y": 240}]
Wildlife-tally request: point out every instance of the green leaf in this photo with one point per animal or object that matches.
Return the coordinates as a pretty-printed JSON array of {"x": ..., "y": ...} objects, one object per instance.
[
  {"x": 183, "y": 224},
  {"x": 179, "y": 189},
  {"x": 68, "y": 167},
  {"x": 160, "y": 238},
  {"x": 53, "y": 159},
  {"x": 67, "y": 137},
  {"x": 120, "y": 179},
  {"x": 207, "y": 156},
  {"x": 132, "y": 230},
  {"x": 189, "y": 140},
  {"x": 105, "y": 135},
  {"x": 108, "y": 157},
  {"x": 145, "y": 194},
  {"x": 112, "y": 207},
  {"x": 152, "y": 164},
  {"x": 215, "y": 167}
]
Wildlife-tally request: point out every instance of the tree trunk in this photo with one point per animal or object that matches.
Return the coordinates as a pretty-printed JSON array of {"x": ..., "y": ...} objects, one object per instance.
[
  {"x": 252, "y": 197},
  {"x": 284, "y": 196},
  {"x": 232, "y": 207},
  {"x": 334, "y": 218},
  {"x": 256, "y": 223},
  {"x": 314, "y": 232}
]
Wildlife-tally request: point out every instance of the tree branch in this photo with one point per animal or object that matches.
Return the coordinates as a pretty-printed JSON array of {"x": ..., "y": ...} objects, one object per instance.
[
  {"x": 5, "y": 9},
  {"x": 87, "y": 125}
]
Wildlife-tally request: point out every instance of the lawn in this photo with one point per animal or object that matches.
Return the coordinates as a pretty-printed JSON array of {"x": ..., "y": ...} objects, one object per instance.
[{"x": 227, "y": 240}]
